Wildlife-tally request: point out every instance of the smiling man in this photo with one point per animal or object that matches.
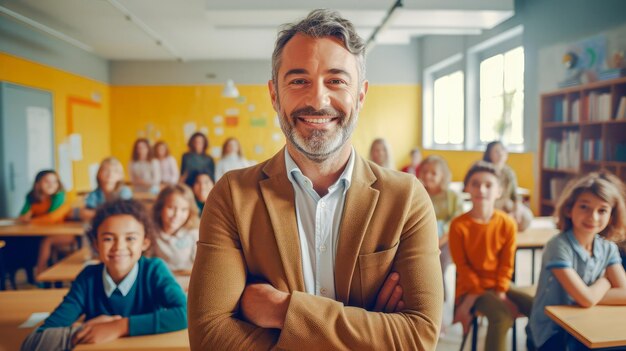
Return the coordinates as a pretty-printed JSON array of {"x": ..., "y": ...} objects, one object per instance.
[{"x": 317, "y": 248}]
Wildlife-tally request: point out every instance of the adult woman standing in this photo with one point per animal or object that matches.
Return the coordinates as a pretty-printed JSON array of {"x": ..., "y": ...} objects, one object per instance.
[{"x": 196, "y": 159}]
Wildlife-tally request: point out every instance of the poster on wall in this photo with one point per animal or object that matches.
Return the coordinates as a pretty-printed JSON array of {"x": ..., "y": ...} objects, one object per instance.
[
  {"x": 38, "y": 126},
  {"x": 76, "y": 147},
  {"x": 188, "y": 129},
  {"x": 65, "y": 166}
]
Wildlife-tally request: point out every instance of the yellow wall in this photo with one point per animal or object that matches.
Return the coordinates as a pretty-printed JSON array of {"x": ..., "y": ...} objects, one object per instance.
[
  {"x": 65, "y": 86},
  {"x": 159, "y": 112},
  {"x": 522, "y": 163}
]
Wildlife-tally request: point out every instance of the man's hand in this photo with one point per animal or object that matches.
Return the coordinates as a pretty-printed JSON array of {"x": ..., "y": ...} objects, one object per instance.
[
  {"x": 98, "y": 332},
  {"x": 264, "y": 305},
  {"x": 390, "y": 296}
]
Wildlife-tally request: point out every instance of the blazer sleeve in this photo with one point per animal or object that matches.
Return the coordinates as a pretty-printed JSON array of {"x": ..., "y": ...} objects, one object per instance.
[
  {"x": 315, "y": 322},
  {"x": 217, "y": 281}
]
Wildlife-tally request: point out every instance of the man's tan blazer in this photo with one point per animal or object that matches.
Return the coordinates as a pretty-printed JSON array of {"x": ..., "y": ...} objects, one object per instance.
[{"x": 249, "y": 232}]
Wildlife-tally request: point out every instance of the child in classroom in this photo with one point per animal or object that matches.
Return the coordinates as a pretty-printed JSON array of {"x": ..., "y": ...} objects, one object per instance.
[
  {"x": 176, "y": 216},
  {"x": 110, "y": 180},
  {"x": 201, "y": 184},
  {"x": 45, "y": 204},
  {"x": 581, "y": 265},
  {"x": 482, "y": 244},
  {"x": 167, "y": 163},
  {"x": 435, "y": 175},
  {"x": 126, "y": 294},
  {"x": 144, "y": 169}
]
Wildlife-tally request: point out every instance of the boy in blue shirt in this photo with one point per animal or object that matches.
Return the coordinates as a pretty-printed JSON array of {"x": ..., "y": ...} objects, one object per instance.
[{"x": 127, "y": 294}]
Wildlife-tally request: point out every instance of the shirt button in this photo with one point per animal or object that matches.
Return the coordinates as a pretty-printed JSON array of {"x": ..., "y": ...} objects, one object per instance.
[
  {"x": 323, "y": 204},
  {"x": 323, "y": 248},
  {"x": 323, "y": 291}
]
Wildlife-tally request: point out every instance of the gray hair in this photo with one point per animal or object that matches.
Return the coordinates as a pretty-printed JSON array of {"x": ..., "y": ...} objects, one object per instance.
[{"x": 322, "y": 23}]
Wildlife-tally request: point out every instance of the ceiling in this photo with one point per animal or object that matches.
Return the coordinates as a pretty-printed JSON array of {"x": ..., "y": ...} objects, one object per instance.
[{"x": 189, "y": 30}]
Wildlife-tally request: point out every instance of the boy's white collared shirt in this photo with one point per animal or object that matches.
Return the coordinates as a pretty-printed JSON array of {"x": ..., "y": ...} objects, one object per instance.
[{"x": 124, "y": 286}]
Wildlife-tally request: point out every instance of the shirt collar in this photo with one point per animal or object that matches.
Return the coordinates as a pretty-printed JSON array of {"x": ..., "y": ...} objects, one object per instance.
[
  {"x": 295, "y": 175},
  {"x": 124, "y": 286},
  {"x": 582, "y": 253}
]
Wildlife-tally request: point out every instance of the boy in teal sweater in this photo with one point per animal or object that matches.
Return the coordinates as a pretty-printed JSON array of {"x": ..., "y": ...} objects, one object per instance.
[{"x": 126, "y": 295}]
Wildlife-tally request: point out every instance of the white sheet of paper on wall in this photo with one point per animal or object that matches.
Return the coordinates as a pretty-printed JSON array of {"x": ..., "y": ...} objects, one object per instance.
[
  {"x": 157, "y": 134},
  {"x": 93, "y": 174},
  {"x": 218, "y": 119},
  {"x": 76, "y": 147},
  {"x": 258, "y": 149},
  {"x": 277, "y": 136},
  {"x": 141, "y": 134},
  {"x": 216, "y": 151},
  {"x": 65, "y": 166},
  {"x": 232, "y": 112},
  {"x": 40, "y": 154},
  {"x": 218, "y": 131},
  {"x": 188, "y": 129},
  {"x": 204, "y": 130},
  {"x": 251, "y": 107}
]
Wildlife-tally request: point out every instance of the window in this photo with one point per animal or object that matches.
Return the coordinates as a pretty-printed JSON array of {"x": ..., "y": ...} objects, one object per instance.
[
  {"x": 448, "y": 109},
  {"x": 502, "y": 97},
  {"x": 476, "y": 96}
]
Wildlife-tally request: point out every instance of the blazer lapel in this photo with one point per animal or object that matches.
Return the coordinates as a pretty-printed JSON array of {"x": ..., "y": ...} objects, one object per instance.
[
  {"x": 279, "y": 198},
  {"x": 358, "y": 209}
]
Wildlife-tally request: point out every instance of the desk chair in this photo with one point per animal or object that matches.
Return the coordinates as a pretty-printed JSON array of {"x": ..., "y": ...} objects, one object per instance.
[{"x": 528, "y": 290}]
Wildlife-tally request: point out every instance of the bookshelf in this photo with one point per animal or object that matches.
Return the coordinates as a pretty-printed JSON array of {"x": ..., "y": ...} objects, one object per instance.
[{"x": 582, "y": 129}]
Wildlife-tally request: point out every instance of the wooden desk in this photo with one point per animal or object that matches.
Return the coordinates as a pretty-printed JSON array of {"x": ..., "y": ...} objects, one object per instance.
[
  {"x": 67, "y": 228},
  {"x": 595, "y": 327},
  {"x": 17, "y": 306},
  {"x": 535, "y": 237},
  {"x": 68, "y": 268},
  {"x": 175, "y": 341}
]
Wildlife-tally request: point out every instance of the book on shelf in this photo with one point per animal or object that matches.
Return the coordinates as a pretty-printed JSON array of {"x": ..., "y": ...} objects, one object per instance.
[
  {"x": 599, "y": 106},
  {"x": 560, "y": 110},
  {"x": 619, "y": 153},
  {"x": 592, "y": 150},
  {"x": 612, "y": 73},
  {"x": 621, "y": 108},
  {"x": 562, "y": 153},
  {"x": 556, "y": 187},
  {"x": 575, "y": 111}
]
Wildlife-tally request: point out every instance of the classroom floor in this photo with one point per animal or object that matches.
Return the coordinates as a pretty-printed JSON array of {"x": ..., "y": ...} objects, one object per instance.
[{"x": 451, "y": 339}]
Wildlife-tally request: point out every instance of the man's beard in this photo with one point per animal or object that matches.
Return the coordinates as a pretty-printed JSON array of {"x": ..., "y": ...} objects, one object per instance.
[{"x": 319, "y": 145}]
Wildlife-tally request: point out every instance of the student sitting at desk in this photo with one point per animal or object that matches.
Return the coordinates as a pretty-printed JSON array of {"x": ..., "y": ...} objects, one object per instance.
[
  {"x": 176, "y": 216},
  {"x": 127, "y": 294},
  {"x": 482, "y": 244},
  {"x": 45, "y": 204},
  {"x": 581, "y": 266},
  {"x": 201, "y": 184},
  {"x": 110, "y": 179}
]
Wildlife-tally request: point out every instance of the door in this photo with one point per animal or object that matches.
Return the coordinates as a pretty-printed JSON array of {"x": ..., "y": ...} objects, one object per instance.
[{"x": 27, "y": 145}]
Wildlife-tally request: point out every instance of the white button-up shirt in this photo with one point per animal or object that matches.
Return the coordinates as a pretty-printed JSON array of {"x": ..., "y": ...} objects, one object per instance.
[{"x": 318, "y": 221}]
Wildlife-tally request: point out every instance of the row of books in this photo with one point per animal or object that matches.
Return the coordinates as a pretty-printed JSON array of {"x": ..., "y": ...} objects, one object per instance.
[
  {"x": 592, "y": 150},
  {"x": 557, "y": 185},
  {"x": 619, "y": 152},
  {"x": 564, "y": 114},
  {"x": 620, "y": 113},
  {"x": 563, "y": 153},
  {"x": 599, "y": 106}
]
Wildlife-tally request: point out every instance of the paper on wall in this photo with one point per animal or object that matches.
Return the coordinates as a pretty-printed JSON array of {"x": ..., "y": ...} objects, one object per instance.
[
  {"x": 34, "y": 319},
  {"x": 216, "y": 151},
  {"x": 76, "y": 147},
  {"x": 188, "y": 129},
  {"x": 65, "y": 166},
  {"x": 204, "y": 130},
  {"x": 40, "y": 146},
  {"x": 218, "y": 119},
  {"x": 218, "y": 131},
  {"x": 93, "y": 175}
]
